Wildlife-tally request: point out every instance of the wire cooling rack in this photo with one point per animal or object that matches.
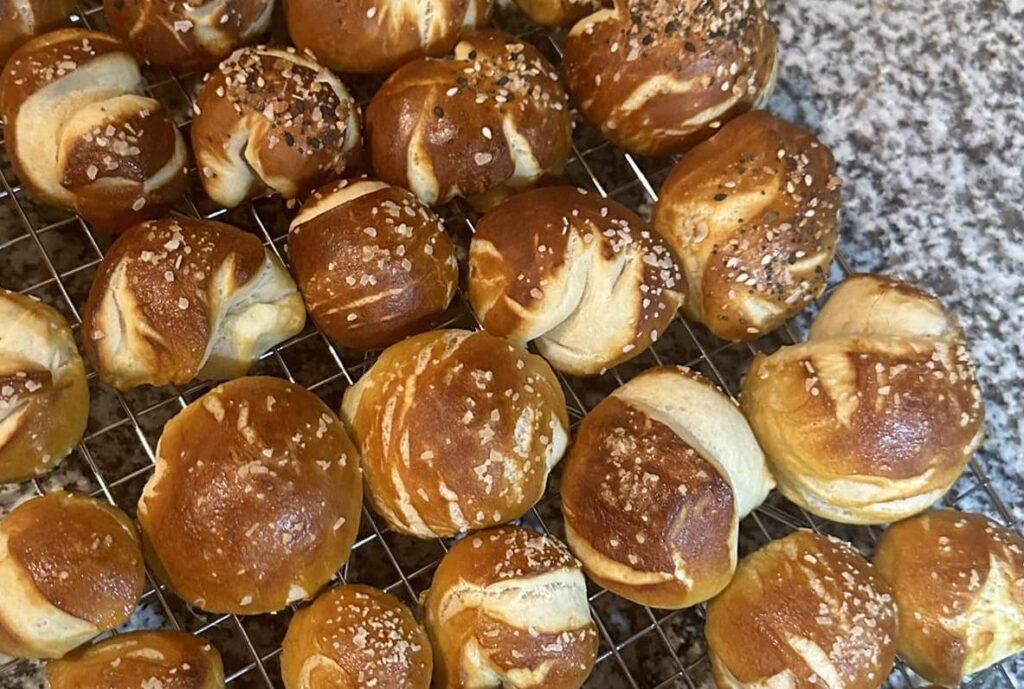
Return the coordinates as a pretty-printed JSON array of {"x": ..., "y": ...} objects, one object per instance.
[{"x": 53, "y": 255}]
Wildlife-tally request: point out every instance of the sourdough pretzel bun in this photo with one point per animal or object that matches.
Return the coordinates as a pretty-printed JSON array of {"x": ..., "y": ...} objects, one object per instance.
[
  {"x": 380, "y": 35},
  {"x": 877, "y": 413},
  {"x": 558, "y": 12},
  {"x": 20, "y": 20},
  {"x": 657, "y": 76},
  {"x": 458, "y": 430},
  {"x": 805, "y": 612},
  {"x": 582, "y": 275},
  {"x": 958, "y": 581},
  {"x": 355, "y": 636},
  {"x": 659, "y": 476},
  {"x": 373, "y": 263},
  {"x": 70, "y": 568},
  {"x": 161, "y": 659},
  {"x": 271, "y": 121},
  {"x": 508, "y": 608},
  {"x": 492, "y": 120},
  {"x": 80, "y": 136},
  {"x": 44, "y": 396},
  {"x": 186, "y": 35},
  {"x": 177, "y": 299},
  {"x": 752, "y": 214},
  {"x": 255, "y": 500}
]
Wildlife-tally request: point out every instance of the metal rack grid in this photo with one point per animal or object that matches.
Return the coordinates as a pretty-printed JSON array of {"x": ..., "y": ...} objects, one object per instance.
[{"x": 53, "y": 255}]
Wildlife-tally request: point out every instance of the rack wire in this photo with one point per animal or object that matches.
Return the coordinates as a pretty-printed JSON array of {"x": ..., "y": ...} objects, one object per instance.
[{"x": 53, "y": 255}]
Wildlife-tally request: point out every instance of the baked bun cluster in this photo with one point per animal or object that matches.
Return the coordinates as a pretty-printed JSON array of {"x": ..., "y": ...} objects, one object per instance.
[
  {"x": 752, "y": 214},
  {"x": 44, "y": 395},
  {"x": 20, "y": 20},
  {"x": 491, "y": 120},
  {"x": 582, "y": 276},
  {"x": 70, "y": 568},
  {"x": 458, "y": 430},
  {"x": 657, "y": 76},
  {"x": 373, "y": 263},
  {"x": 874, "y": 417},
  {"x": 80, "y": 136},
  {"x": 508, "y": 607},
  {"x": 255, "y": 500}
]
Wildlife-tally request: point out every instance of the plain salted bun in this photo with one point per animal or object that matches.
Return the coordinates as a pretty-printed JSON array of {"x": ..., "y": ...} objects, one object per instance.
[
  {"x": 803, "y": 612},
  {"x": 958, "y": 581},
  {"x": 508, "y": 608},
  {"x": 20, "y": 20},
  {"x": 659, "y": 476},
  {"x": 557, "y": 12}
]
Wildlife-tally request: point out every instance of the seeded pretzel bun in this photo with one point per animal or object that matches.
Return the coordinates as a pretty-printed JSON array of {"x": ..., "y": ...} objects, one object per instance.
[
  {"x": 255, "y": 500},
  {"x": 958, "y": 581},
  {"x": 752, "y": 214},
  {"x": 373, "y": 263},
  {"x": 20, "y": 20},
  {"x": 874, "y": 417},
  {"x": 658, "y": 76},
  {"x": 493, "y": 120},
  {"x": 558, "y": 12},
  {"x": 582, "y": 276},
  {"x": 82, "y": 137},
  {"x": 271, "y": 121},
  {"x": 70, "y": 568},
  {"x": 805, "y": 612},
  {"x": 44, "y": 395},
  {"x": 355, "y": 636},
  {"x": 161, "y": 659},
  {"x": 508, "y": 607},
  {"x": 458, "y": 430}
]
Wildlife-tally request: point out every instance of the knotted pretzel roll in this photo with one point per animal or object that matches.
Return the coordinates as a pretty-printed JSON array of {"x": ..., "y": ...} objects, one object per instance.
[
  {"x": 877, "y": 413},
  {"x": 492, "y": 120},
  {"x": 508, "y": 608},
  {"x": 20, "y": 20},
  {"x": 458, "y": 430},
  {"x": 805, "y": 612},
  {"x": 657, "y": 76},
  {"x": 958, "y": 581},
  {"x": 44, "y": 396},
  {"x": 659, "y": 476},
  {"x": 81, "y": 137},
  {"x": 582, "y": 275},
  {"x": 70, "y": 568},
  {"x": 269, "y": 120},
  {"x": 558, "y": 12},
  {"x": 373, "y": 263},
  {"x": 752, "y": 214}
]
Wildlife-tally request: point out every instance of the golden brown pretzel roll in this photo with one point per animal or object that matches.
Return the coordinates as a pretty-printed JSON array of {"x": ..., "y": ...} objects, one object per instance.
[
  {"x": 70, "y": 568},
  {"x": 81, "y": 137},
  {"x": 373, "y": 263},
  {"x": 958, "y": 581},
  {"x": 177, "y": 299},
  {"x": 558, "y": 12},
  {"x": 490, "y": 121},
  {"x": 161, "y": 659},
  {"x": 582, "y": 275},
  {"x": 752, "y": 214},
  {"x": 458, "y": 430},
  {"x": 659, "y": 476},
  {"x": 44, "y": 396},
  {"x": 269, "y": 120},
  {"x": 355, "y": 636},
  {"x": 805, "y": 612},
  {"x": 20, "y": 20},
  {"x": 508, "y": 608},
  {"x": 657, "y": 76},
  {"x": 877, "y": 413},
  {"x": 255, "y": 500},
  {"x": 187, "y": 34}
]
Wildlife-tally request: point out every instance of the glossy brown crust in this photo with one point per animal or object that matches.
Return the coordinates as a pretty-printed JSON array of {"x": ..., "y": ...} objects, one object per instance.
[
  {"x": 20, "y": 20},
  {"x": 374, "y": 269},
  {"x": 658, "y": 76},
  {"x": 255, "y": 500},
  {"x": 807, "y": 611},
  {"x": 752, "y": 214},
  {"x": 161, "y": 659},
  {"x": 958, "y": 581},
  {"x": 352, "y": 637},
  {"x": 558, "y": 12}
]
